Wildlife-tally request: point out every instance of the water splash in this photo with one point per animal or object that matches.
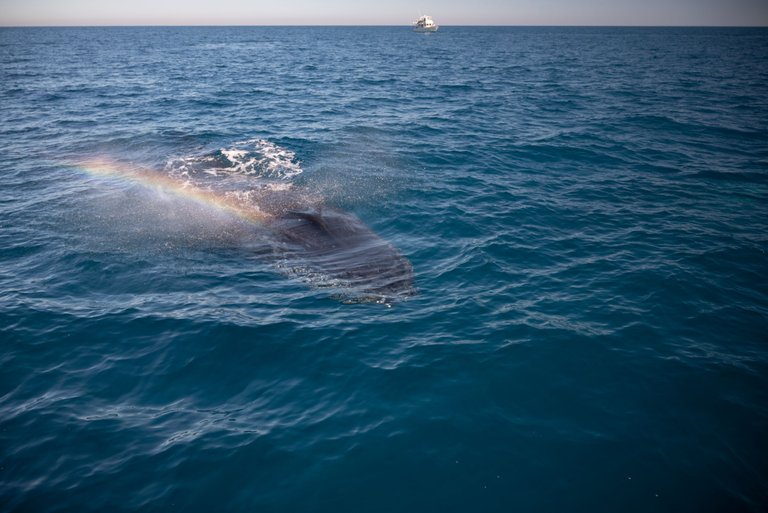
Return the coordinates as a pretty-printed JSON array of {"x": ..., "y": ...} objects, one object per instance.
[{"x": 254, "y": 158}]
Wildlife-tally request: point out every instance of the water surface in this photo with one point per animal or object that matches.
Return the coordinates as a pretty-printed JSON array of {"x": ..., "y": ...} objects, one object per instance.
[{"x": 585, "y": 211}]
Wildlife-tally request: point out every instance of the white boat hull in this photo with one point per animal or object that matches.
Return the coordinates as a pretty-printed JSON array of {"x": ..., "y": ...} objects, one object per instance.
[{"x": 425, "y": 24}]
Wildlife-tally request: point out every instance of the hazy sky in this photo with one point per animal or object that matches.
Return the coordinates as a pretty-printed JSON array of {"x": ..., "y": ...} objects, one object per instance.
[{"x": 383, "y": 12}]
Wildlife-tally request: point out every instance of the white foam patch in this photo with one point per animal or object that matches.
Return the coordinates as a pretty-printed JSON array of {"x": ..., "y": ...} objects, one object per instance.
[
  {"x": 256, "y": 158},
  {"x": 266, "y": 158}
]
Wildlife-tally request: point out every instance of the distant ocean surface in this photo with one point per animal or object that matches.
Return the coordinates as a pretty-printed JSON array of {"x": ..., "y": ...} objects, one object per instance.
[{"x": 585, "y": 211}]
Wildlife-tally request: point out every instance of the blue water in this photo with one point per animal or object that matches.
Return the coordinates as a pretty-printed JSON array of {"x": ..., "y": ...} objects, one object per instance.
[{"x": 585, "y": 211}]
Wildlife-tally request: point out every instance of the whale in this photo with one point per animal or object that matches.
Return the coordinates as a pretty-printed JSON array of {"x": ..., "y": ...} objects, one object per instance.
[
  {"x": 334, "y": 248},
  {"x": 305, "y": 236}
]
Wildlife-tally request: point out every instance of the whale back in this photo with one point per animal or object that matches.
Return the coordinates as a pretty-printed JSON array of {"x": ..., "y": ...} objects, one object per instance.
[{"x": 339, "y": 250}]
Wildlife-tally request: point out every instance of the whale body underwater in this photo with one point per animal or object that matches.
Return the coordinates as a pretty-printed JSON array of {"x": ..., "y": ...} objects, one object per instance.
[
  {"x": 336, "y": 247},
  {"x": 303, "y": 235}
]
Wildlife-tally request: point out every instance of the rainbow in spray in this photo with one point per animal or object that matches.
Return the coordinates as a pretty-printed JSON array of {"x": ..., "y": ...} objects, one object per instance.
[
  {"x": 325, "y": 245},
  {"x": 231, "y": 204}
]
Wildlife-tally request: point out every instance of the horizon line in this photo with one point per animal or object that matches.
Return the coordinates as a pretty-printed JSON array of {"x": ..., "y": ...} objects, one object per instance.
[{"x": 299, "y": 25}]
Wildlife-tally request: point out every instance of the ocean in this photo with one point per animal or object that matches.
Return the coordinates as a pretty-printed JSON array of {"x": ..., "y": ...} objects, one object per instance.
[{"x": 522, "y": 269}]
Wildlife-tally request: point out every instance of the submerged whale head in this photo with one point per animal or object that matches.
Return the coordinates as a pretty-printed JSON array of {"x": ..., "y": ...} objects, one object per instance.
[{"x": 338, "y": 250}]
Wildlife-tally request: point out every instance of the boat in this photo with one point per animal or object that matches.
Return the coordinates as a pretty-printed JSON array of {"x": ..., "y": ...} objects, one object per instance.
[{"x": 425, "y": 24}]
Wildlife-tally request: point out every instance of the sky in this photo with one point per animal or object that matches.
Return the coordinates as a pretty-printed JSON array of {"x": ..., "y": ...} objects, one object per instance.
[{"x": 383, "y": 12}]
